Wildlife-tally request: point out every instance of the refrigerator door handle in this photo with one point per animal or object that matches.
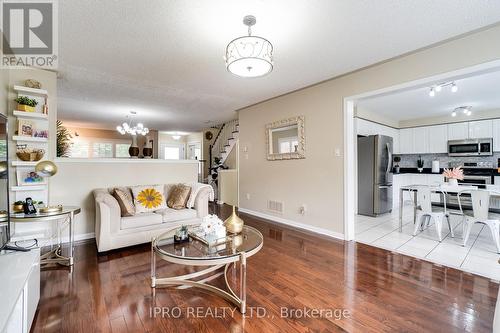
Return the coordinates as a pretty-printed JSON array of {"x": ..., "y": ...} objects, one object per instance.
[
  {"x": 385, "y": 186},
  {"x": 389, "y": 158}
]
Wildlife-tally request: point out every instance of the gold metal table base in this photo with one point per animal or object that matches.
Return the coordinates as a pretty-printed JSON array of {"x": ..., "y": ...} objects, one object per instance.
[
  {"x": 55, "y": 257},
  {"x": 186, "y": 281}
]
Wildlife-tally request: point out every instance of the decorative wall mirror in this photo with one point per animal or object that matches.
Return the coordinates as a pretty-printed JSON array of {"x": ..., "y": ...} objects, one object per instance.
[{"x": 285, "y": 139}]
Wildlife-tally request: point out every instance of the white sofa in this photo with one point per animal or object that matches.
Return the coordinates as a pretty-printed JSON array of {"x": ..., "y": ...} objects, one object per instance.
[{"x": 113, "y": 231}]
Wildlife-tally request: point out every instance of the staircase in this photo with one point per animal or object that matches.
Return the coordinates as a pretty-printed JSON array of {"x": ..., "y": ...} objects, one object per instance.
[{"x": 225, "y": 141}]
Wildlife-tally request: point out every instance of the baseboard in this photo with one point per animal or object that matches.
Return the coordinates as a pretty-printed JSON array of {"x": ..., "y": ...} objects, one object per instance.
[{"x": 291, "y": 223}]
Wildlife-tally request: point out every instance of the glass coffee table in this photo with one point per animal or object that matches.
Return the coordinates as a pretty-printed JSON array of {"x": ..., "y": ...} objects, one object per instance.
[{"x": 237, "y": 248}]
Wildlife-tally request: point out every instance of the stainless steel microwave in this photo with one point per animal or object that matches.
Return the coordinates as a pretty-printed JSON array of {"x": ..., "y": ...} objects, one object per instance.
[{"x": 470, "y": 147}]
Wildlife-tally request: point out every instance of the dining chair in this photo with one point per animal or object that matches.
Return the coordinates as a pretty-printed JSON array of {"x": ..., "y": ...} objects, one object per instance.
[
  {"x": 425, "y": 212},
  {"x": 480, "y": 214}
]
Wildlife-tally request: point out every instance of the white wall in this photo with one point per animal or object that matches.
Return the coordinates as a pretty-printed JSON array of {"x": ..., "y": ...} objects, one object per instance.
[
  {"x": 76, "y": 178},
  {"x": 318, "y": 180}
]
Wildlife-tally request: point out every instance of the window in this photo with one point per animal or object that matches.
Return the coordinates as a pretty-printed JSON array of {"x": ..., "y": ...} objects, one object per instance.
[
  {"x": 121, "y": 150},
  {"x": 288, "y": 145},
  {"x": 172, "y": 151},
  {"x": 102, "y": 150}
]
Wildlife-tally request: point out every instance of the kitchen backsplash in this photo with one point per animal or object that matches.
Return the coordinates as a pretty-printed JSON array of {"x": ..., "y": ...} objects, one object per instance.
[{"x": 410, "y": 160}]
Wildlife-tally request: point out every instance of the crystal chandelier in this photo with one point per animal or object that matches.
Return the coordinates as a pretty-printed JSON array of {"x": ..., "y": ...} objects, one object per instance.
[
  {"x": 249, "y": 56},
  {"x": 127, "y": 127}
]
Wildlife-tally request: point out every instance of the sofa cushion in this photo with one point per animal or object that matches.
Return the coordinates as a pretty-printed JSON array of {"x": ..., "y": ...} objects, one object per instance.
[
  {"x": 148, "y": 198},
  {"x": 170, "y": 215},
  {"x": 178, "y": 197},
  {"x": 140, "y": 220},
  {"x": 125, "y": 200}
]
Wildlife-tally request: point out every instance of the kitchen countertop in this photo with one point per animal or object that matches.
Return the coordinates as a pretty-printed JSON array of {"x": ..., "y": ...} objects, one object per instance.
[
  {"x": 494, "y": 172},
  {"x": 415, "y": 170}
]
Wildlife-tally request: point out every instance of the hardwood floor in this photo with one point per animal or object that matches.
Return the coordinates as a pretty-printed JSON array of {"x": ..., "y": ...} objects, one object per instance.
[{"x": 381, "y": 292}]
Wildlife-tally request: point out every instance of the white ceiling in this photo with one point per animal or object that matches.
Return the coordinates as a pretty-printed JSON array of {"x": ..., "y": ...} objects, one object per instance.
[
  {"x": 479, "y": 91},
  {"x": 163, "y": 59}
]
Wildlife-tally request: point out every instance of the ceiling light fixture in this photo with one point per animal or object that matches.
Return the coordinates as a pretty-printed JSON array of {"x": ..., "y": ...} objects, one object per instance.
[
  {"x": 127, "y": 127},
  {"x": 466, "y": 110},
  {"x": 249, "y": 56},
  {"x": 176, "y": 137},
  {"x": 438, "y": 87}
]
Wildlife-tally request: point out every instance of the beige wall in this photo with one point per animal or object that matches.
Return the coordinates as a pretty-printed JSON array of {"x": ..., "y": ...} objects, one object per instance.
[
  {"x": 317, "y": 180},
  {"x": 75, "y": 180}
]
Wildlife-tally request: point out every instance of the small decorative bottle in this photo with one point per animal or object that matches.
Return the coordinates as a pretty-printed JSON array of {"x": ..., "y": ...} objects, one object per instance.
[{"x": 233, "y": 223}]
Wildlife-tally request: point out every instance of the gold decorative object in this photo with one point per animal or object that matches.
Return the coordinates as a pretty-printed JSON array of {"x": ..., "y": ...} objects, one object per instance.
[
  {"x": 233, "y": 223},
  {"x": 30, "y": 83},
  {"x": 29, "y": 154},
  {"x": 46, "y": 168},
  {"x": 18, "y": 208},
  {"x": 51, "y": 209}
]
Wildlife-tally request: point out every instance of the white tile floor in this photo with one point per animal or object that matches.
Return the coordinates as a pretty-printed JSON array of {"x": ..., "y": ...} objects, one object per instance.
[{"x": 478, "y": 256}]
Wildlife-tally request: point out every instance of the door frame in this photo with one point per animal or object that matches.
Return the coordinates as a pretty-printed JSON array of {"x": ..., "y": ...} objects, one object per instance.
[{"x": 350, "y": 131}]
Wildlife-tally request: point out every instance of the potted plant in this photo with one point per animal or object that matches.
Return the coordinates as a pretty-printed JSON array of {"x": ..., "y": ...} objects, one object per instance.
[
  {"x": 25, "y": 104},
  {"x": 453, "y": 175},
  {"x": 397, "y": 159},
  {"x": 420, "y": 164}
]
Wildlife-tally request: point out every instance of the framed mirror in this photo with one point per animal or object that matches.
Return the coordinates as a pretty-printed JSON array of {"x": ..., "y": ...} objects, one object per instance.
[{"x": 285, "y": 139}]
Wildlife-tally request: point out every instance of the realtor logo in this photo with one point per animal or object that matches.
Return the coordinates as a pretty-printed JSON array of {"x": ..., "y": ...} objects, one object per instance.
[{"x": 29, "y": 32}]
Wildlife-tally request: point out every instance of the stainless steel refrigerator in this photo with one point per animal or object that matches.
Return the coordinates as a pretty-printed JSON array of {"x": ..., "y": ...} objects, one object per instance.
[{"x": 374, "y": 175}]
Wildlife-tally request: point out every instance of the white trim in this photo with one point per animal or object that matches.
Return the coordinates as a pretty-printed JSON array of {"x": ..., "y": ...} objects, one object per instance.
[
  {"x": 36, "y": 115},
  {"x": 30, "y": 91},
  {"x": 122, "y": 160},
  {"x": 350, "y": 173},
  {"x": 29, "y": 138},
  {"x": 303, "y": 226}
]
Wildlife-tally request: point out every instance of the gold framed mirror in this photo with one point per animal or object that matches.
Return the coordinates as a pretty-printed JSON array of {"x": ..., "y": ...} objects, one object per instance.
[{"x": 285, "y": 139}]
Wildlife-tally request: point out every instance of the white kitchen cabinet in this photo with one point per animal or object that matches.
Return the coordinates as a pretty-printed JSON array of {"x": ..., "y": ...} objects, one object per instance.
[
  {"x": 406, "y": 141},
  {"x": 480, "y": 129},
  {"x": 496, "y": 134},
  {"x": 438, "y": 139},
  {"x": 365, "y": 127},
  {"x": 421, "y": 140},
  {"x": 458, "y": 131}
]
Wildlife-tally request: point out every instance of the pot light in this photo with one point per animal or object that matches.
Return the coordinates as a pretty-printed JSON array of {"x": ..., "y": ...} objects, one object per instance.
[
  {"x": 454, "y": 87},
  {"x": 432, "y": 93},
  {"x": 249, "y": 56},
  {"x": 454, "y": 113}
]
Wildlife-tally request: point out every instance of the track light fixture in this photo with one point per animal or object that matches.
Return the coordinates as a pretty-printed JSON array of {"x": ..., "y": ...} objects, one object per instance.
[
  {"x": 438, "y": 87},
  {"x": 466, "y": 110}
]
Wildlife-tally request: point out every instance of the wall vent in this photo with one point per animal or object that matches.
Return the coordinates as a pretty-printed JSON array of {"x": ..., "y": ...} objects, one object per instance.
[{"x": 275, "y": 206}]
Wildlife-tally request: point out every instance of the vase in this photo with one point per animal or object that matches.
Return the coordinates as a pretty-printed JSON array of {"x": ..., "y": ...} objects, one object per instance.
[
  {"x": 133, "y": 150},
  {"x": 233, "y": 223},
  {"x": 452, "y": 182},
  {"x": 147, "y": 150}
]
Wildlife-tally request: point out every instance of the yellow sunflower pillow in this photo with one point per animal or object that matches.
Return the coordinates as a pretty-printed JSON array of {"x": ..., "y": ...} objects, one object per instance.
[{"x": 148, "y": 198}]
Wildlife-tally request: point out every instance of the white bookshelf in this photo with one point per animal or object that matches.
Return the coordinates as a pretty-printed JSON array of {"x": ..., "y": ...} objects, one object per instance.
[
  {"x": 30, "y": 91},
  {"x": 35, "y": 115},
  {"x": 24, "y": 163},
  {"x": 29, "y": 188},
  {"x": 29, "y": 139}
]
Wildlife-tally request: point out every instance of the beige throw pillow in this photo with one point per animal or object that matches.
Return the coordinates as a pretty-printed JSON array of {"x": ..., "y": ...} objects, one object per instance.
[
  {"x": 148, "y": 198},
  {"x": 178, "y": 197},
  {"x": 125, "y": 200}
]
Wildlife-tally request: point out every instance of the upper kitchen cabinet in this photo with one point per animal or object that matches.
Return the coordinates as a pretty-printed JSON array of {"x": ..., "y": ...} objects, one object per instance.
[
  {"x": 438, "y": 139},
  {"x": 406, "y": 141},
  {"x": 496, "y": 135},
  {"x": 421, "y": 140},
  {"x": 480, "y": 129},
  {"x": 458, "y": 131}
]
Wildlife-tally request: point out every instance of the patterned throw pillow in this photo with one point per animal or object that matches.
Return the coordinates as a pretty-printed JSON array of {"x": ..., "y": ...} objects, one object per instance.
[
  {"x": 125, "y": 200},
  {"x": 148, "y": 198},
  {"x": 178, "y": 197}
]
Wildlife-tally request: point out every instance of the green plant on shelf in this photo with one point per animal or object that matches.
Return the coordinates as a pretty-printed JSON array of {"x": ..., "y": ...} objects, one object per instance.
[{"x": 23, "y": 100}]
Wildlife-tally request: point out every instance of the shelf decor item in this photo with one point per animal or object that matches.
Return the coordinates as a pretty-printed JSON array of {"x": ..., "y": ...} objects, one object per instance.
[
  {"x": 29, "y": 154},
  {"x": 147, "y": 150},
  {"x": 29, "y": 177},
  {"x": 25, "y": 127},
  {"x": 133, "y": 150},
  {"x": 181, "y": 235},
  {"x": 31, "y": 83},
  {"x": 397, "y": 159},
  {"x": 420, "y": 164},
  {"x": 26, "y": 104},
  {"x": 18, "y": 207},
  {"x": 453, "y": 175},
  {"x": 233, "y": 223}
]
